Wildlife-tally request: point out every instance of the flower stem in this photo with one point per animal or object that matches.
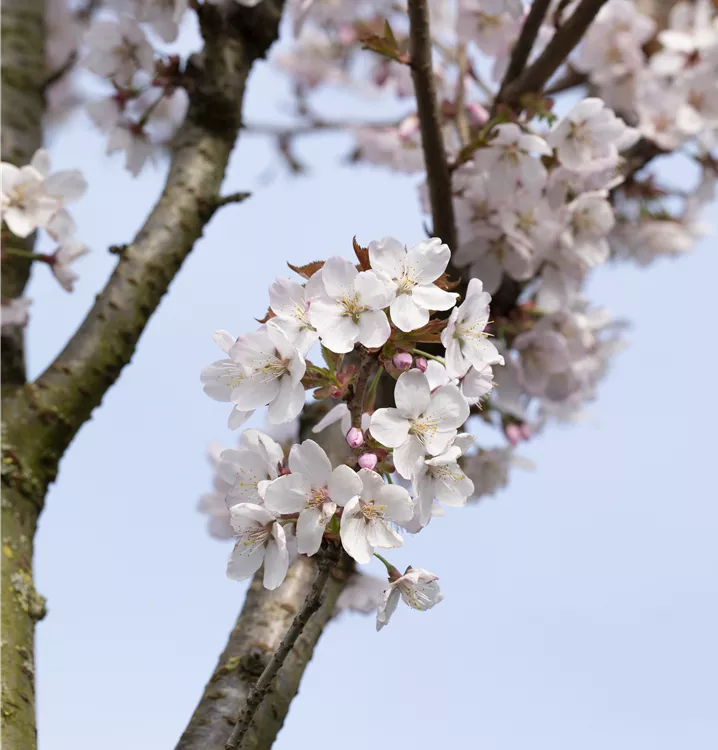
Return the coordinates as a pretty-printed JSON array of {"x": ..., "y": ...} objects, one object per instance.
[
  {"x": 19, "y": 253},
  {"x": 390, "y": 569},
  {"x": 371, "y": 393}
]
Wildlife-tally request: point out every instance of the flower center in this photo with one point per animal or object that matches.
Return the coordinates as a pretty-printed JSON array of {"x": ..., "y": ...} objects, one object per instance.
[
  {"x": 317, "y": 498},
  {"x": 373, "y": 512},
  {"x": 352, "y": 307},
  {"x": 423, "y": 428}
]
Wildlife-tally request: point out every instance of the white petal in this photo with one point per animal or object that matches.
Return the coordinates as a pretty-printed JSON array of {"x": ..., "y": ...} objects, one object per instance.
[
  {"x": 244, "y": 561},
  {"x": 412, "y": 394},
  {"x": 448, "y": 408},
  {"x": 310, "y": 530},
  {"x": 407, "y": 454},
  {"x": 387, "y": 607},
  {"x": 288, "y": 403},
  {"x": 354, "y": 534},
  {"x": 397, "y": 502},
  {"x": 287, "y": 494},
  {"x": 310, "y": 459},
  {"x": 427, "y": 261},
  {"x": 338, "y": 275},
  {"x": 374, "y": 329},
  {"x": 433, "y": 298},
  {"x": 389, "y": 427},
  {"x": 380, "y": 535},
  {"x": 335, "y": 414},
  {"x": 344, "y": 485},
  {"x": 276, "y": 558},
  {"x": 374, "y": 292},
  {"x": 406, "y": 314},
  {"x": 388, "y": 255}
]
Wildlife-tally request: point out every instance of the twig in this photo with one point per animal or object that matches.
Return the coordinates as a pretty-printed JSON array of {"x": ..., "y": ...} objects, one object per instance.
[
  {"x": 534, "y": 78},
  {"x": 462, "y": 123},
  {"x": 356, "y": 402},
  {"x": 523, "y": 47},
  {"x": 327, "y": 559},
  {"x": 438, "y": 176},
  {"x": 566, "y": 82},
  {"x": 59, "y": 73}
]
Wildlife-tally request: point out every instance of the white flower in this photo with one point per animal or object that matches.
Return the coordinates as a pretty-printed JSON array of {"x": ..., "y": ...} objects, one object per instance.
[
  {"x": 290, "y": 303},
  {"x": 543, "y": 353},
  {"x": 68, "y": 252},
  {"x": 15, "y": 312},
  {"x": 590, "y": 136},
  {"x": 417, "y": 587},
  {"x": 273, "y": 372},
  {"x": 413, "y": 273},
  {"x": 366, "y": 519},
  {"x": 118, "y": 49},
  {"x": 421, "y": 422},
  {"x": 261, "y": 540},
  {"x": 214, "y": 503},
  {"x": 131, "y": 138},
  {"x": 220, "y": 379},
  {"x": 352, "y": 309},
  {"x": 250, "y": 469},
  {"x": 441, "y": 478},
  {"x": 31, "y": 196},
  {"x": 314, "y": 491},
  {"x": 509, "y": 160},
  {"x": 464, "y": 338},
  {"x": 477, "y": 384}
]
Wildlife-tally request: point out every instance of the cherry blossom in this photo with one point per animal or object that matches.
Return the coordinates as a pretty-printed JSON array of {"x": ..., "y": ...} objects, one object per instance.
[
  {"x": 261, "y": 539},
  {"x": 68, "y": 252},
  {"x": 464, "y": 337},
  {"x": 421, "y": 422},
  {"x": 314, "y": 490},
  {"x": 249, "y": 470},
  {"x": 290, "y": 302},
  {"x": 417, "y": 588},
  {"x": 117, "y": 49},
  {"x": 366, "y": 519},
  {"x": 413, "y": 273},
  {"x": 351, "y": 310}
]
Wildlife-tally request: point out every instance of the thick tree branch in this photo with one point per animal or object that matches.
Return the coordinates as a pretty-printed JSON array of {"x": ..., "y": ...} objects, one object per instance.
[
  {"x": 40, "y": 419},
  {"x": 326, "y": 560},
  {"x": 257, "y": 634},
  {"x": 535, "y": 77},
  {"x": 524, "y": 45},
  {"x": 438, "y": 177},
  {"x": 23, "y": 72}
]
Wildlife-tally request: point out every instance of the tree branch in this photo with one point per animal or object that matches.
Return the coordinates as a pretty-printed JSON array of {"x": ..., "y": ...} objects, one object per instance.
[
  {"x": 326, "y": 559},
  {"x": 523, "y": 47},
  {"x": 438, "y": 177},
  {"x": 535, "y": 77},
  {"x": 257, "y": 634},
  {"x": 40, "y": 419}
]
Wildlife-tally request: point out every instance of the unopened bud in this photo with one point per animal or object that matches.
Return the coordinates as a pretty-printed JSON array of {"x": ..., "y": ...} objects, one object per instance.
[
  {"x": 355, "y": 437},
  {"x": 368, "y": 461},
  {"x": 421, "y": 363},
  {"x": 513, "y": 433},
  {"x": 402, "y": 360},
  {"x": 526, "y": 431}
]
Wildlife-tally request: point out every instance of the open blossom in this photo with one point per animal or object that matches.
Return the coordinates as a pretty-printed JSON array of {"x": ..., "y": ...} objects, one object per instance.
[
  {"x": 511, "y": 158},
  {"x": 590, "y": 136},
  {"x": 15, "y": 312},
  {"x": 273, "y": 370},
  {"x": 352, "y": 308},
  {"x": 422, "y": 422},
  {"x": 464, "y": 337},
  {"x": 221, "y": 378},
  {"x": 250, "y": 469},
  {"x": 413, "y": 273},
  {"x": 366, "y": 520},
  {"x": 417, "y": 587},
  {"x": 441, "y": 478},
  {"x": 133, "y": 140},
  {"x": 261, "y": 539},
  {"x": 117, "y": 49},
  {"x": 290, "y": 302},
  {"x": 31, "y": 196},
  {"x": 314, "y": 490},
  {"x": 68, "y": 252},
  {"x": 544, "y": 352}
]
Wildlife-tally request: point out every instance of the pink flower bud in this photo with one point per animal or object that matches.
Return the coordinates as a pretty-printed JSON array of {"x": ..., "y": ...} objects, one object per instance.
[
  {"x": 478, "y": 115},
  {"x": 513, "y": 433},
  {"x": 421, "y": 363},
  {"x": 368, "y": 461},
  {"x": 355, "y": 437},
  {"x": 526, "y": 431},
  {"x": 402, "y": 360}
]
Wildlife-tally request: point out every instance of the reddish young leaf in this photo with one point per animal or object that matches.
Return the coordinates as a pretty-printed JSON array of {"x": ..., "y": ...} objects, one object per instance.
[{"x": 308, "y": 270}]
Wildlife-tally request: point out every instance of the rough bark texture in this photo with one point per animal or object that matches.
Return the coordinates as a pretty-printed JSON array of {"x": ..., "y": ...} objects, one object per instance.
[
  {"x": 40, "y": 419},
  {"x": 23, "y": 63},
  {"x": 23, "y": 70},
  {"x": 259, "y": 630}
]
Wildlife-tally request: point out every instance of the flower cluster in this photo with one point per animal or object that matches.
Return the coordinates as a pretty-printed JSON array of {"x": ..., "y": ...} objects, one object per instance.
[
  {"x": 33, "y": 197},
  {"x": 368, "y": 320}
]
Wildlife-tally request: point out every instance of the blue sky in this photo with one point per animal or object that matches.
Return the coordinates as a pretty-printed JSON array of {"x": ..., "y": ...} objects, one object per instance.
[{"x": 581, "y": 604}]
